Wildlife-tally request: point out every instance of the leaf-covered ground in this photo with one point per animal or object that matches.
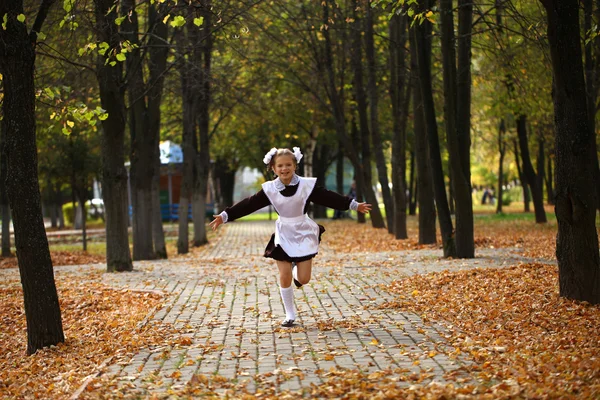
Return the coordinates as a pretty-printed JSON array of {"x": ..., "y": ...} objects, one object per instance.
[
  {"x": 536, "y": 240},
  {"x": 527, "y": 341},
  {"x": 524, "y": 340},
  {"x": 99, "y": 323},
  {"x": 76, "y": 257}
]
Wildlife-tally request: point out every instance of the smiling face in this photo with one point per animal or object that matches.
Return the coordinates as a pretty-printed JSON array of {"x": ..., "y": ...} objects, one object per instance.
[{"x": 284, "y": 167}]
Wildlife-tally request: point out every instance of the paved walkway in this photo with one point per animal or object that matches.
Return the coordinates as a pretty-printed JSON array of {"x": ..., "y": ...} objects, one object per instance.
[{"x": 228, "y": 303}]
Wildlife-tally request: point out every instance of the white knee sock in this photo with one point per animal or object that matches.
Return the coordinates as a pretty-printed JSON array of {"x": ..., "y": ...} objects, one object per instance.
[{"x": 287, "y": 295}]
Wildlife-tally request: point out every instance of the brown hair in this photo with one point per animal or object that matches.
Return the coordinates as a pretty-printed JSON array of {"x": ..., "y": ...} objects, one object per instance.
[{"x": 281, "y": 152}]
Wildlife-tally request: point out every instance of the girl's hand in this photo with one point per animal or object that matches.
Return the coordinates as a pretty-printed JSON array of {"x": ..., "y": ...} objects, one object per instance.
[
  {"x": 214, "y": 224},
  {"x": 363, "y": 208}
]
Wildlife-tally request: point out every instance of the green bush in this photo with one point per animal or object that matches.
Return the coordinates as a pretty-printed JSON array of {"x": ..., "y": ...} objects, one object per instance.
[
  {"x": 506, "y": 199},
  {"x": 69, "y": 213}
]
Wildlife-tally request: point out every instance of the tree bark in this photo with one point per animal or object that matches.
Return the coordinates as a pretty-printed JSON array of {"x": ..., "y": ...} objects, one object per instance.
[
  {"x": 187, "y": 146},
  {"x": 529, "y": 172},
  {"x": 158, "y": 233},
  {"x": 424, "y": 187},
  {"x": 465, "y": 241},
  {"x": 540, "y": 165},
  {"x": 400, "y": 96},
  {"x": 522, "y": 177},
  {"x": 592, "y": 75},
  {"x": 5, "y": 207},
  {"x": 42, "y": 309},
  {"x": 549, "y": 180},
  {"x": 360, "y": 217},
  {"x": 577, "y": 238},
  {"x": 502, "y": 151},
  {"x": 114, "y": 174},
  {"x": 225, "y": 177},
  {"x": 158, "y": 52},
  {"x": 201, "y": 177},
  {"x": 336, "y": 101},
  {"x": 373, "y": 96},
  {"x": 142, "y": 139},
  {"x": 412, "y": 183},
  {"x": 339, "y": 170},
  {"x": 423, "y": 50}
]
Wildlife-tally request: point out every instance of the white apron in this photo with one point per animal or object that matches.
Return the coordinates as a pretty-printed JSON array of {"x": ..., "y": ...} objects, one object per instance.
[{"x": 295, "y": 232}]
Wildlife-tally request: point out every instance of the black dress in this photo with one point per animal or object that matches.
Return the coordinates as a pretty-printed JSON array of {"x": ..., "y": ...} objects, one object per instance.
[{"x": 319, "y": 195}]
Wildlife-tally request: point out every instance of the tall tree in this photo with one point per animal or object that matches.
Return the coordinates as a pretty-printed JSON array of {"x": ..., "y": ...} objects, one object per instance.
[
  {"x": 422, "y": 34},
  {"x": 4, "y": 205},
  {"x": 502, "y": 151},
  {"x": 114, "y": 174},
  {"x": 400, "y": 88},
  {"x": 145, "y": 94},
  {"x": 337, "y": 106},
  {"x": 532, "y": 178},
  {"x": 577, "y": 238},
  {"x": 457, "y": 117},
  {"x": 17, "y": 61},
  {"x": 424, "y": 186},
  {"x": 373, "y": 95},
  {"x": 202, "y": 56}
]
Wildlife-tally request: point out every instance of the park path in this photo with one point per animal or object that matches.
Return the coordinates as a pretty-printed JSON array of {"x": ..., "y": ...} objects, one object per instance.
[{"x": 226, "y": 301}]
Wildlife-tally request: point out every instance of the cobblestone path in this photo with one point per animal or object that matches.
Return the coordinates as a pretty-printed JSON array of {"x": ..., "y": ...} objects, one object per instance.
[{"x": 228, "y": 304}]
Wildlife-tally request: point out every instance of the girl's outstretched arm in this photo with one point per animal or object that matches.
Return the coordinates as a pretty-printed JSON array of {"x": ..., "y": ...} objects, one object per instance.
[{"x": 240, "y": 209}]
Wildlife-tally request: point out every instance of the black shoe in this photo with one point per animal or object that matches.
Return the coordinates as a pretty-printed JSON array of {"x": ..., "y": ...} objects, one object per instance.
[{"x": 288, "y": 323}]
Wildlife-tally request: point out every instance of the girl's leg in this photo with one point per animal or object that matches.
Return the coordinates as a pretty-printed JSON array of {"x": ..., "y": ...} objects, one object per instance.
[
  {"x": 287, "y": 291},
  {"x": 304, "y": 271}
]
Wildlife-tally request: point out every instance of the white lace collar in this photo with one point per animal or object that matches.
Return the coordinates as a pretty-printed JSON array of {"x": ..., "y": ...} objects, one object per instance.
[{"x": 280, "y": 185}]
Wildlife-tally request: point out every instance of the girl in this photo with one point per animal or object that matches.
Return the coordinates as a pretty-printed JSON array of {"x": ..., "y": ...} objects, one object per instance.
[{"x": 296, "y": 238}]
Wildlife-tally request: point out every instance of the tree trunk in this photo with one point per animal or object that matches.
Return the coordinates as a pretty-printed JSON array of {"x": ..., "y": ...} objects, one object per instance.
[
  {"x": 320, "y": 164},
  {"x": 201, "y": 176},
  {"x": 424, "y": 186},
  {"x": 225, "y": 178},
  {"x": 540, "y": 165},
  {"x": 339, "y": 170},
  {"x": 457, "y": 116},
  {"x": 340, "y": 124},
  {"x": 114, "y": 174},
  {"x": 502, "y": 151},
  {"x": 42, "y": 309},
  {"x": 158, "y": 52},
  {"x": 400, "y": 96},
  {"x": 4, "y": 206},
  {"x": 549, "y": 180},
  {"x": 142, "y": 140},
  {"x": 360, "y": 217},
  {"x": 522, "y": 177},
  {"x": 528, "y": 171},
  {"x": 158, "y": 233},
  {"x": 187, "y": 146},
  {"x": 592, "y": 75},
  {"x": 577, "y": 238},
  {"x": 465, "y": 241},
  {"x": 412, "y": 183},
  {"x": 59, "y": 203},
  {"x": 441, "y": 200},
  {"x": 374, "y": 119}
]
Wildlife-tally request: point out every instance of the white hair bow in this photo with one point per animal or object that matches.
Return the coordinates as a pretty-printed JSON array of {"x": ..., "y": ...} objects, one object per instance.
[
  {"x": 269, "y": 155},
  {"x": 297, "y": 154}
]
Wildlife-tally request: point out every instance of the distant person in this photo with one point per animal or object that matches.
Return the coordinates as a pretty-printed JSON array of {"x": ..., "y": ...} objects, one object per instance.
[
  {"x": 486, "y": 195},
  {"x": 296, "y": 239}
]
